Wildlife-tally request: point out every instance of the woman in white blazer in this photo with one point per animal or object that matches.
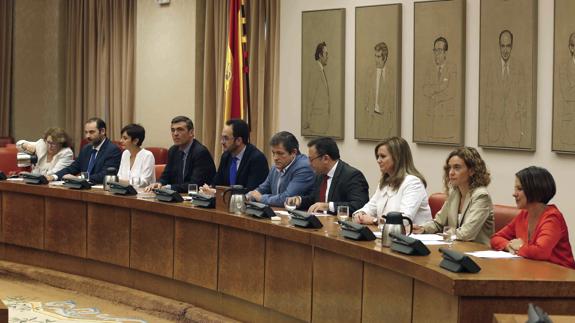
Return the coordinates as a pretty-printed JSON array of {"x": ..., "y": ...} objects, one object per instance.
[
  {"x": 137, "y": 164},
  {"x": 401, "y": 187},
  {"x": 53, "y": 151}
]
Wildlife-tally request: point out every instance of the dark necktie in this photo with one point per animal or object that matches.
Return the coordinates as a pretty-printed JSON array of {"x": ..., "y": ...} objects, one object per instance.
[
  {"x": 92, "y": 161},
  {"x": 233, "y": 170},
  {"x": 323, "y": 189},
  {"x": 182, "y": 172}
]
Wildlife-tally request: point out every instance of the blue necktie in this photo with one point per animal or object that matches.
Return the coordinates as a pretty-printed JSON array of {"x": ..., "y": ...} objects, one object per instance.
[
  {"x": 233, "y": 171},
  {"x": 92, "y": 161}
]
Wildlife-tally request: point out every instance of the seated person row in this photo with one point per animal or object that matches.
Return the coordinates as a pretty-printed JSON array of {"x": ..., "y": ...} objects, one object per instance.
[
  {"x": 468, "y": 209},
  {"x": 336, "y": 183},
  {"x": 53, "y": 151},
  {"x": 189, "y": 162},
  {"x": 291, "y": 174},
  {"x": 94, "y": 158},
  {"x": 539, "y": 230},
  {"x": 401, "y": 187},
  {"x": 241, "y": 163}
]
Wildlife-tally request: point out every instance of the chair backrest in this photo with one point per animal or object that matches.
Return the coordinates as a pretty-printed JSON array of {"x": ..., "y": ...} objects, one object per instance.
[
  {"x": 6, "y": 140},
  {"x": 159, "y": 170},
  {"x": 503, "y": 214},
  {"x": 8, "y": 161},
  {"x": 160, "y": 154},
  {"x": 436, "y": 201}
]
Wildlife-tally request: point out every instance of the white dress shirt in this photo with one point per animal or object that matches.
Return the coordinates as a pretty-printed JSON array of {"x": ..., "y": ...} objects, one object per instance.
[
  {"x": 143, "y": 168},
  {"x": 410, "y": 199}
]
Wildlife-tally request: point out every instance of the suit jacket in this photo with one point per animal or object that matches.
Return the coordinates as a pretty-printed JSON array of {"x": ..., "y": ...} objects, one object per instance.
[
  {"x": 252, "y": 172},
  {"x": 297, "y": 180},
  {"x": 477, "y": 221},
  {"x": 200, "y": 168},
  {"x": 348, "y": 187},
  {"x": 109, "y": 155}
]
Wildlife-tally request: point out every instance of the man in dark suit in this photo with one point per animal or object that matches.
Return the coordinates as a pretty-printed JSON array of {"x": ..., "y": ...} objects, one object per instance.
[
  {"x": 189, "y": 162},
  {"x": 94, "y": 158},
  {"x": 242, "y": 163},
  {"x": 336, "y": 182}
]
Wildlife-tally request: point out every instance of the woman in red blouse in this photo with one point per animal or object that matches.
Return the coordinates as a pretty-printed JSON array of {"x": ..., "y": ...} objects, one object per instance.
[{"x": 539, "y": 231}]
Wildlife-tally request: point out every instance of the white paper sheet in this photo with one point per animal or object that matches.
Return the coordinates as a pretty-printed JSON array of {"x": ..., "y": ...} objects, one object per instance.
[
  {"x": 15, "y": 179},
  {"x": 427, "y": 237},
  {"x": 492, "y": 254},
  {"x": 56, "y": 183}
]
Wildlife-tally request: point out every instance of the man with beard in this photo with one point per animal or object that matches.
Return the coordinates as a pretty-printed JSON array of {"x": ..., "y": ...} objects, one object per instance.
[
  {"x": 95, "y": 157},
  {"x": 241, "y": 163}
]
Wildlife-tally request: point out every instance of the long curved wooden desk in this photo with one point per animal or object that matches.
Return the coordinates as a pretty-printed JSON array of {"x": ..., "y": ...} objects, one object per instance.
[{"x": 256, "y": 270}]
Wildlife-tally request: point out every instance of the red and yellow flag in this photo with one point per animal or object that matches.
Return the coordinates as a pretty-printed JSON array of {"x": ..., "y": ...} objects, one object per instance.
[{"x": 236, "y": 87}]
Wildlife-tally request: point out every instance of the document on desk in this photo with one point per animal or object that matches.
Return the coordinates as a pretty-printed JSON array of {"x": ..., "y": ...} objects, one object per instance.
[
  {"x": 56, "y": 183},
  {"x": 427, "y": 237},
  {"x": 492, "y": 254},
  {"x": 15, "y": 179}
]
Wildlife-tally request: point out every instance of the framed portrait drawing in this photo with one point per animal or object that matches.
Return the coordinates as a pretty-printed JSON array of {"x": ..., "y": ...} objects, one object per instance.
[
  {"x": 377, "y": 72},
  {"x": 507, "y": 74},
  {"x": 564, "y": 78},
  {"x": 439, "y": 72},
  {"x": 323, "y": 73}
]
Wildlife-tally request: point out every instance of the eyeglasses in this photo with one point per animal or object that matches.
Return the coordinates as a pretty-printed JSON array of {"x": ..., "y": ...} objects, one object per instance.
[
  {"x": 316, "y": 157},
  {"x": 226, "y": 138},
  {"x": 52, "y": 143}
]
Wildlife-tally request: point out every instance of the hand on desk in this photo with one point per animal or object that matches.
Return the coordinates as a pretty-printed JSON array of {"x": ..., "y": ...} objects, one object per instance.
[
  {"x": 363, "y": 218},
  {"x": 254, "y": 196},
  {"x": 207, "y": 190},
  {"x": 150, "y": 187},
  {"x": 318, "y": 207},
  {"x": 417, "y": 229},
  {"x": 514, "y": 245}
]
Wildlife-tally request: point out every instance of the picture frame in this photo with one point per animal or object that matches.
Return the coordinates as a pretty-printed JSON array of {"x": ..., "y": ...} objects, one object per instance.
[
  {"x": 323, "y": 73},
  {"x": 508, "y": 74},
  {"x": 439, "y": 72},
  {"x": 378, "y": 44},
  {"x": 563, "y": 137}
]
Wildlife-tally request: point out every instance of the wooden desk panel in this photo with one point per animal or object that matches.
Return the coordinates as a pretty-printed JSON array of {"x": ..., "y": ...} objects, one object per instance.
[
  {"x": 196, "y": 253},
  {"x": 1, "y": 231},
  {"x": 3, "y": 313},
  {"x": 152, "y": 243},
  {"x": 387, "y": 295},
  {"x": 337, "y": 287},
  {"x": 108, "y": 237},
  {"x": 288, "y": 278},
  {"x": 65, "y": 230},
  {"x": 241, "y": 264},
  {"x": 433, "y": 305},
  {"x": 23, "y": 219}
]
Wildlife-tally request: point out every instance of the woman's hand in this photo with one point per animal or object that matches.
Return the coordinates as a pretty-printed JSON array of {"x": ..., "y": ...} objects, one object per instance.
[
  {"x": 514, "y": 245},
  {"x": 417, "y": 229},
  {"x": 363, "y": 218}
]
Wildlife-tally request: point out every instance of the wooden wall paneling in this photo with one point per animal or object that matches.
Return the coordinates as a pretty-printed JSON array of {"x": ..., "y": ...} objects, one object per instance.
[
  {"x": 432, "y": 305},
  {"x": 109, "y": 234},
  {"x": 288, "y": 278},
  {"x": 1, "y": 231},
  {"x": 337, "y": 287},
  {"x": 241, "y": 264},
  {"x": 65, "y": 227},
  {"x": 23, "y": 219},
  {"x": 152, "y": 243},
  {"x": 196, "y": 253},
  {"x": 387, "y": 295}
]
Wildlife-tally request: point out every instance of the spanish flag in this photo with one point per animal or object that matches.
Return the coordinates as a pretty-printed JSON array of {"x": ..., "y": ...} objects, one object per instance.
[{"x": 236, "y": 87}]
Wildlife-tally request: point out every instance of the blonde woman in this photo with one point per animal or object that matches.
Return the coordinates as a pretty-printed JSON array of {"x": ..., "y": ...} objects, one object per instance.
[{"x": 401, "y": 187}]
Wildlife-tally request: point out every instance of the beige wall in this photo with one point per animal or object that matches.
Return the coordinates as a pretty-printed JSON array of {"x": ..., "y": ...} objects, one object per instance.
[
  {"x": 165, "y": 70},
  {"x": 38, "y": 67},
  {"x": 429, "y": 159}
]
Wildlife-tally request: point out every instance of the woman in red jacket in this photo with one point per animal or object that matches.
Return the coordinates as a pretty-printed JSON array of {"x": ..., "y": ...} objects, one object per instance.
[{"x": 539, "y": 231}]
